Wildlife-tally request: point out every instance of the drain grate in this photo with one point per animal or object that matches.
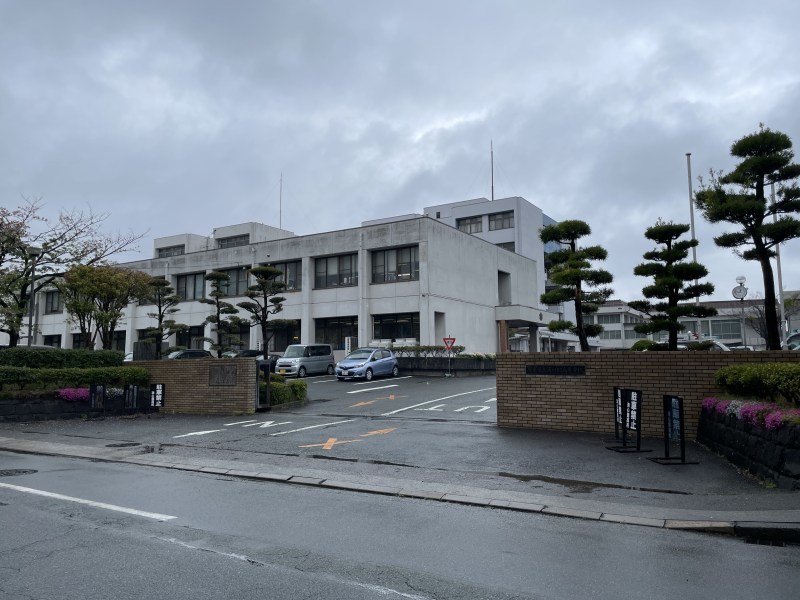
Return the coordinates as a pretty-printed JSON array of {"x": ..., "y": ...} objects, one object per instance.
[
  {"x": 13, "y": 472},
  {"x": 123, "y": 445}
]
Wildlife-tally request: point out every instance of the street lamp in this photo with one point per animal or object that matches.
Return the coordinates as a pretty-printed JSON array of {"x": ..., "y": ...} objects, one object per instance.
[
  {"x": 739, "y": 292},
  {"x": 33, "y": 252}
]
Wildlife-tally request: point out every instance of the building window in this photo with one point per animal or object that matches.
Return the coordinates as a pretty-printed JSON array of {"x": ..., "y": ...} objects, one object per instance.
[
  {"x": 632, "y": 334},
  {"x": 334, "y": 331},
  {"x": 397, "y": 326},
  {"x": 510, "y": 246},
  {"x": 291, "y": 275},
  {"x": 78, "y": 341},
  {"x": 237, "y": 284},
  {"x": 118, "y": 341},
  {"x": 171, "y": 251},
  {"x": 607, "y": 319},
  {"x": 52, "y": 302},
  {"x": 52, "y": 340},
  {"x": 192, "y": 286},
  {"x": 726, "y": 330},
  {"x": 614, "y": 334},
  {"x": 470, "y": 224},
  {"x": 233, "y": 241},
  {"x": 191, "y": 338},
  {"x": 397, "y": 264},
  {"x": 336, "y": 271},
  {"x": 503, "y": 220}
]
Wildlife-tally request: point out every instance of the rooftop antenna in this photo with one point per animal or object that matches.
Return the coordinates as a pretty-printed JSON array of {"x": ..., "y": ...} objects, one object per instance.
[
  {"x": 491, "y": 157},
  {"x": 280, "y": 203}
]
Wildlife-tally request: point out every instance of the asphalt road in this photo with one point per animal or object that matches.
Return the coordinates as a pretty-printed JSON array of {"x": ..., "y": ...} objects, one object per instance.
[
  {"x": 208, "y": 536},
  {"x": 424, "y": 429}
]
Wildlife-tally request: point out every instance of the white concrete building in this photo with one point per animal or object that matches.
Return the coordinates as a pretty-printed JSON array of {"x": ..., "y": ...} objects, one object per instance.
[{"x": 408, "y": 280}]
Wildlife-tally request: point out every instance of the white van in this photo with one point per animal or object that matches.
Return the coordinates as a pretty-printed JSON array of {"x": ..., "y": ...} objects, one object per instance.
[{"x": 306, "y": 359}]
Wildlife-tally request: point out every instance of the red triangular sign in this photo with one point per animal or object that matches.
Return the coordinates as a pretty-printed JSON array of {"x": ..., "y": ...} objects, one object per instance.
[{"x": 448, "y": 343}]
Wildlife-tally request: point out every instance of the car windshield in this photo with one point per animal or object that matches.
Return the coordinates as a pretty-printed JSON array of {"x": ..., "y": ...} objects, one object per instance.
[
  {"x": 356, "y": 354},
  {"x": 294, "y": 352},
  {"x": 174, "y": 354}
]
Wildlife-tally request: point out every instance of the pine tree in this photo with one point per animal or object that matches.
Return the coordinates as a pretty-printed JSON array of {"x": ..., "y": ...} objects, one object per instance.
[
  {"x": 575, "y": 278},
  {"x": 265, "y": 300},
  {"x": 671, "y": 276},
  {"x": 739, "y": 198},
  {"x": 225, "y": 316}
]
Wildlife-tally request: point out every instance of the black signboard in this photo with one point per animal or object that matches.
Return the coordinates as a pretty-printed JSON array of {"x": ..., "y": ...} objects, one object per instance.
[
  {"x": 555, "y": 369},
  {"x": 674, "y": 431},
  {"x": 627, "y": 416},
  {"x": 97, "y": 395},
  {"x": 131, "y": 396},
  {"x": 157, "y": 395}
]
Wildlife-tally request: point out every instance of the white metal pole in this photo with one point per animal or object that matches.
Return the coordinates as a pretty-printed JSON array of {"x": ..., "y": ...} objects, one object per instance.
[
  {"x": 780, "y": 276},
  {"x": 691, "y": 212}
]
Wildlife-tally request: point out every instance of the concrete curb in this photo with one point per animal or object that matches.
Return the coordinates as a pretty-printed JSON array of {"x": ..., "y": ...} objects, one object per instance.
[{"x": 753, "y": 528}]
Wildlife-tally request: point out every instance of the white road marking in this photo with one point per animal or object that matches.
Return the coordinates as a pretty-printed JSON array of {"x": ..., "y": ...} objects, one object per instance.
[
  {"x": 266, "y": 424},
  {"x": 312, "y": 427},
  {"x": 240, "y": 423},
  {"x": 197, "y": 433},
  {"x": 490, "y": 400},
  {"x": 393, "y": 379},
  {"x": 399, "y": 410},
  {"x": 122, "y": 509},
  {"x": 480, "y": 408},
  {"x": 383, "y": 387},
  {"x": 438, "y": 408}
]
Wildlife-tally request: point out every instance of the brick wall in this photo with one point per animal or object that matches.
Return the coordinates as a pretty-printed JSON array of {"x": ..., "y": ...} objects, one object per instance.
[
  {"x": 206, "y": 386},
  {"x": 585, "y": 402}
]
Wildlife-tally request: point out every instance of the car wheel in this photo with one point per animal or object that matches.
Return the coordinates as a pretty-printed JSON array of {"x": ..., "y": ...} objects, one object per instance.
[
  {"x": 331, "y": 371},
  {"x": 340, "y": 378},
  {"x": 301, "y": 372},
  {"x": 395, "y": 371},
  {"x": 368, "y": 375}
]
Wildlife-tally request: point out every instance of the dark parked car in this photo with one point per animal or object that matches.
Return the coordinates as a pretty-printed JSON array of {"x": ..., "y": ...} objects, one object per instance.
[
  {"x": 257, "y": 354},
  {"x": 365, "y": 363},
  {"x": 184, "y": 354}
]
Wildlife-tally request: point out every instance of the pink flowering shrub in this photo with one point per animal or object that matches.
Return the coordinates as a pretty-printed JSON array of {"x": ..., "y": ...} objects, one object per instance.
[
  {"x": 73, "y": 394},
  {"x": 759, "y": 414}
]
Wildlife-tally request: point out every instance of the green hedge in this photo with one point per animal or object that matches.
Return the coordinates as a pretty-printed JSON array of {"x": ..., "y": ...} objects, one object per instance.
[
  {"x": 426, "y": 351},
  {"x": 49, "y": 378},
  {"x": 59, "y": 358},
  {"x": 767, "y": 381},
  {"x": 281, "y": 392}
]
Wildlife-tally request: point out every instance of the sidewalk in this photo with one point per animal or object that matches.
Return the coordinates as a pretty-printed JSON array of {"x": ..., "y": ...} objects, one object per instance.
[{"x": 771, "y": 517}]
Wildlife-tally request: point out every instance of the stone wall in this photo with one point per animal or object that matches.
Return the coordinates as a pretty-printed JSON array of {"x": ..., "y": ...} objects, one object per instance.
[
  {"x": 585, "y": 402},
  {"x": 770, "y": 455}
]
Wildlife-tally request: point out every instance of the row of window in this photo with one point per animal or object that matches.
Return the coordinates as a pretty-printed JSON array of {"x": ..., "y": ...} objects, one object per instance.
[
  {"x": 501, "y": 220},
  {"x": 331, "y": 331},
  {"x": 397, "y": 264}
]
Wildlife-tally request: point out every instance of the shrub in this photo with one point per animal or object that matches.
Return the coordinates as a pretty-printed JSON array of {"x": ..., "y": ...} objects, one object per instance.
[
  {"x": 426, "y": 351},
  {"x": 283, "y": 393},
  {"x": 766, "y": 381},
  {"x": 759, "y": 414},
  {"x": 59, "y": 358},
  {"x": 48, "y": 378},
  {"x": 73, "y": 394},
  {"x": 642, "y": 345}
]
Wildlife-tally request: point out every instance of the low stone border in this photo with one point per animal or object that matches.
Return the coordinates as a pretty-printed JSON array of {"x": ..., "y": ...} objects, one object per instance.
[{"x": 770, "y": 455}]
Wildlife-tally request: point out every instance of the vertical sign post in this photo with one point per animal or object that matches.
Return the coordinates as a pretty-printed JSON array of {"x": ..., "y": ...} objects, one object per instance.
[
  {"x": 157, "y": 395},
  {"x": 448, "y": 343},
  {"x": 674, "y": 431},
  {"x": 131, "y": 396},
  {"x": 97, "y": 396},
  {"x": 628, "y": 416}
]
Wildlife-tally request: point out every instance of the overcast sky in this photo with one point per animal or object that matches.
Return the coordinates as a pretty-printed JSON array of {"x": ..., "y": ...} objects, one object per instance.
[{"x": 180, "y": 116}]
